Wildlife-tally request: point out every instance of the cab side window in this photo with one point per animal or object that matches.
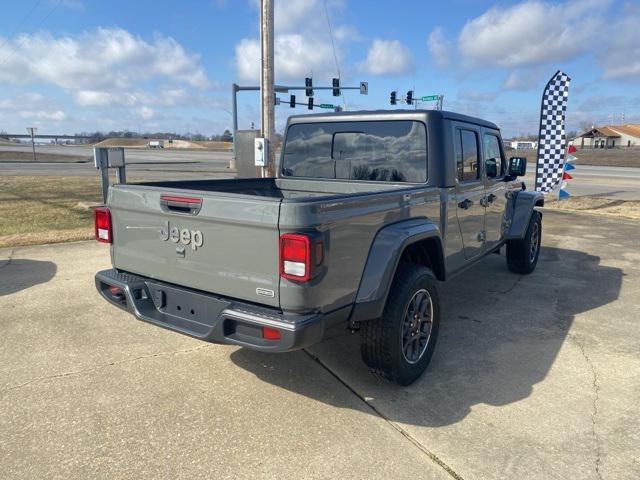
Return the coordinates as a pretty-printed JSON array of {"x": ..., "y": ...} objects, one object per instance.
[
  {"x": 467, "y": 158},
  {"x": 493, "y": 157}
]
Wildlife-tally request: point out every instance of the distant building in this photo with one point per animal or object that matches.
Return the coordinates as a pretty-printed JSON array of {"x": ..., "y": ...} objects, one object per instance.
[
  {"x": 609, "y": 136},
  {"x": 155, "y": 144},
  {"x": 523, "y": 144}
]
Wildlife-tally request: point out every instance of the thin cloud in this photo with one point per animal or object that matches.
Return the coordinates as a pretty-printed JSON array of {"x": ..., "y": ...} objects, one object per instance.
[
  {"x": 104, "y": 59},
  {"x": 387, "y": 57},
  {"x": 439, "y": 47},
  {"x": 531, "y": 33},
  {"x": 302, "y": 43}
]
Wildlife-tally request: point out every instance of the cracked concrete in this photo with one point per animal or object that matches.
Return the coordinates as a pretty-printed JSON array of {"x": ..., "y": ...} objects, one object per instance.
[
  {"x": 596, "y": 393},
  {"x": 104, "y": 365},
  {"x": 533, "y": 377}
]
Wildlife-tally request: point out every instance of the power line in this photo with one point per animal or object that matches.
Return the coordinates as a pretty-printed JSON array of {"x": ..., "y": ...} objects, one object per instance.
[
  {"x": 333, "y": 47},
  {"x": 21, "y": 22},
  {"x": 19, "y": 46}
]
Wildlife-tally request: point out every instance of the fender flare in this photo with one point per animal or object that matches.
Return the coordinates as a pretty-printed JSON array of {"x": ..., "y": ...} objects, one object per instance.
[
  {"x": 384, "y": 256},
  {"x": 519, "y": 211}
]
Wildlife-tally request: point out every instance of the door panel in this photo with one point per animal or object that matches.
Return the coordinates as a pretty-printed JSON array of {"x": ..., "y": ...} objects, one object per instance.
[
  {"x": 469, "y": 189},
  {"x": 495, "y": 187},
  {"x": 470, "y": 212},
  {"x": 496, "y": 202}
]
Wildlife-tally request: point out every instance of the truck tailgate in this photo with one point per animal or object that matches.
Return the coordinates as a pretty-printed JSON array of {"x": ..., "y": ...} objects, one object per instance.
[{"x": 227, "y": 244}]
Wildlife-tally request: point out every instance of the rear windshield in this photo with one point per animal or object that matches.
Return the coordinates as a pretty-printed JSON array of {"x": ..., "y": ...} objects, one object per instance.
[{"x": 384, "y": 151}]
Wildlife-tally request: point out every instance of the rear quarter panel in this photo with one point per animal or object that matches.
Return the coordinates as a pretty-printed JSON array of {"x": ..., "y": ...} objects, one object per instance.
[{"x": 348, "y": 225}]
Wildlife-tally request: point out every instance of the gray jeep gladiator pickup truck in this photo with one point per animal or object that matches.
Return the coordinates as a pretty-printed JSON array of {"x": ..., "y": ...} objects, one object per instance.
[{"x": 367, "y": 213}]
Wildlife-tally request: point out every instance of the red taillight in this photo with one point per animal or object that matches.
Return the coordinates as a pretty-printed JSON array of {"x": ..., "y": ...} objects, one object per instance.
[
  {"x": 102, "y": 224},
  {"x": 270, "y": 333},
  {"x": 295, "y": 256}
]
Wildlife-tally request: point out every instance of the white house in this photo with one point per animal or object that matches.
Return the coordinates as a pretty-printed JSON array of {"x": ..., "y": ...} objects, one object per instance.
[
  {"x": 523, "y": 144},
  {"x": 609, "y": 136}
]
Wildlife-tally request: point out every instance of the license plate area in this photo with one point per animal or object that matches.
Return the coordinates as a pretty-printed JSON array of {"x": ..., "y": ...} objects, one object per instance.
[{"x": 188, "y": 306}]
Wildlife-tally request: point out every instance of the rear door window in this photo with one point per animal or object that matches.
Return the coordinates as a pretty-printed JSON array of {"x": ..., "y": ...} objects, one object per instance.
[
  {"x": 467, "y": 155},
  {"x": 383, "y": 151}
]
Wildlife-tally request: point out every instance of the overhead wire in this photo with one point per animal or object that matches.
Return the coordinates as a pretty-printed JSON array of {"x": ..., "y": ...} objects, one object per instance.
[
  {"x": 21, "y": 22},
  {"x": 19, "y": 46},
  {"x": 333, "y": 47}
]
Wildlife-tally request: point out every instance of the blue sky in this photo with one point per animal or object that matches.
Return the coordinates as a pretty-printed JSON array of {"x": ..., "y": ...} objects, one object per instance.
[{"x": 85, "y": 65}]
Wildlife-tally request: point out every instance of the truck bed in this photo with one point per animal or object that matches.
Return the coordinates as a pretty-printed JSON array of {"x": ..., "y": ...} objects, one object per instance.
[
  {"x": 228, "y": 243},
  {"x": 276, "y": 188}
]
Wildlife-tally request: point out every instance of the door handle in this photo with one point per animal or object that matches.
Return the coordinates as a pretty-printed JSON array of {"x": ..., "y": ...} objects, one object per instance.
[{"x": 465, "y": 204}]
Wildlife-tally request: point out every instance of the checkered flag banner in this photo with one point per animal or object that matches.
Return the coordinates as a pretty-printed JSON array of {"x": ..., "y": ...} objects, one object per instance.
[{"x": 552, "y": 140}]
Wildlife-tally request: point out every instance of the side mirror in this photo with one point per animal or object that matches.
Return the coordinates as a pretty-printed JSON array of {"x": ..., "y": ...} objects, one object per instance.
[
  {"x": 517, "y": 166},
  {"x": 491, "y": 168}
]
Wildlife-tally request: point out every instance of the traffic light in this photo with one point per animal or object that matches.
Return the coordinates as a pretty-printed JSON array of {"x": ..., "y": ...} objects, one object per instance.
[
  {"x": 308, "y": 83},
  {"x": 292, "y": 101},
  {"x": 410, "y": 97},
  {"x": 336, "y": 87},
  {"x": 310, "y": 106},
  {"x": 393, "y": 98}
]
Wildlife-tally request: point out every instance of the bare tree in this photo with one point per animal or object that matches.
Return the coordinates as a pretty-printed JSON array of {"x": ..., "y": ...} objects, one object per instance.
[{"x": 585, "y": 125}]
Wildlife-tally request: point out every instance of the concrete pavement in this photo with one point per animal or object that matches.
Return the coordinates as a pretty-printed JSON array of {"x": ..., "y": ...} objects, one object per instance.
[{"x": 533, "y": 377}]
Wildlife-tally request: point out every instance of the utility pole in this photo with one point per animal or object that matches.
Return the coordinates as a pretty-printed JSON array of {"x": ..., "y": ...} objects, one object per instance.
[
  {"x": 267, "y": 92},
  {"x": 32, "y": 131}
]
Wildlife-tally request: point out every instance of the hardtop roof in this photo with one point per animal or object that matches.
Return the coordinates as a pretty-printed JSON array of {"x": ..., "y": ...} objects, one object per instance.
[{"x": 364, "y": 115}]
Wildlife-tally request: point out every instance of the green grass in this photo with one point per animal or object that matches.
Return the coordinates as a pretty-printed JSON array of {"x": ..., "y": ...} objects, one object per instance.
[
  {"x": 36, "y": 209},
  {"x": 20, "y": 156}
]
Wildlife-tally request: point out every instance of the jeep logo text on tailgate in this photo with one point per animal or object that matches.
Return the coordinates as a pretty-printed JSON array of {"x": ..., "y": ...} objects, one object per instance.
[{"x": 181, "y": 235}]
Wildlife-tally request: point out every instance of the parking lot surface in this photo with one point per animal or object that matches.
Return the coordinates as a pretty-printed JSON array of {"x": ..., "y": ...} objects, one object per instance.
[{"x": 533, "y": 377}]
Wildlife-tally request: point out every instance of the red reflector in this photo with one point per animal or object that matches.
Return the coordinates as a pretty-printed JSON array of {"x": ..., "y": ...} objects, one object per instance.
[
  {"x": 270, "y": 333},
  {"x": 102, "y": 224},
  {"x": 114, "y": 290},
  {"x": 295, "y": 256},
  {"x": 572, "y": 149},
  {"x": 173, "y": 198}
]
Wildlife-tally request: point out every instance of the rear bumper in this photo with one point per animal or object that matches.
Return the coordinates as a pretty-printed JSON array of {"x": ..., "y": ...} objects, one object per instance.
[{"x": 210, "y": 317}]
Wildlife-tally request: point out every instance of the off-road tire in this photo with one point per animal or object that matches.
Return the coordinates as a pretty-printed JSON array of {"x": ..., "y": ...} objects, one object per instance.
[
  {"x": 381, "y": 344},
  {"x": 521, "y": 257}
]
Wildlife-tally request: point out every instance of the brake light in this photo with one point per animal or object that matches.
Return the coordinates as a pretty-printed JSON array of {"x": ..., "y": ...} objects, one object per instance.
[
  {"x": 270, "y": 333},
  {"x": 295, "y": 256},
  {"x": 102, "y": 224}
]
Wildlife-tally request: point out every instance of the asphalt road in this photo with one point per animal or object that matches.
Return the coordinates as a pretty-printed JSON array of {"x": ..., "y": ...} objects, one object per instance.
[
  {"x": 150, "y": 164},
  {"x": 622, "y": 183},
  {"x": 133, "y": 155},
  {"x": 533, "y": 377},
  {"x": 613, "y": 182}
]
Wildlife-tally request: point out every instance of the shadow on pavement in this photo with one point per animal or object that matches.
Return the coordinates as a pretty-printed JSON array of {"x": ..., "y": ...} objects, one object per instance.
[
  {"x": 16, "y": 275},
  {"x": 500, "y": 334}
]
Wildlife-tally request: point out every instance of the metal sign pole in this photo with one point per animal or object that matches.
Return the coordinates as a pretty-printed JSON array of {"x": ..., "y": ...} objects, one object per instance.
[
  {"x": 234, "y": 116},
  {"x": 105, "y": 158},
  {"x": 32, "y": 131},
  {"x": 100, "y": 161}
]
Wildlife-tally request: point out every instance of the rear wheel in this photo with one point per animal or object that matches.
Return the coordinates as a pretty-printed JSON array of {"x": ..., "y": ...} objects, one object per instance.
[
  {"x": 399, "y": 345},
  {"x": 522, "y": 254}
]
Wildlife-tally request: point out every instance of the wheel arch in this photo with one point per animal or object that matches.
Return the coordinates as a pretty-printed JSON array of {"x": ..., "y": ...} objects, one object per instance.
[
  {"x": 519, "y": 211},
  {"x": 416, "y": 240}
]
